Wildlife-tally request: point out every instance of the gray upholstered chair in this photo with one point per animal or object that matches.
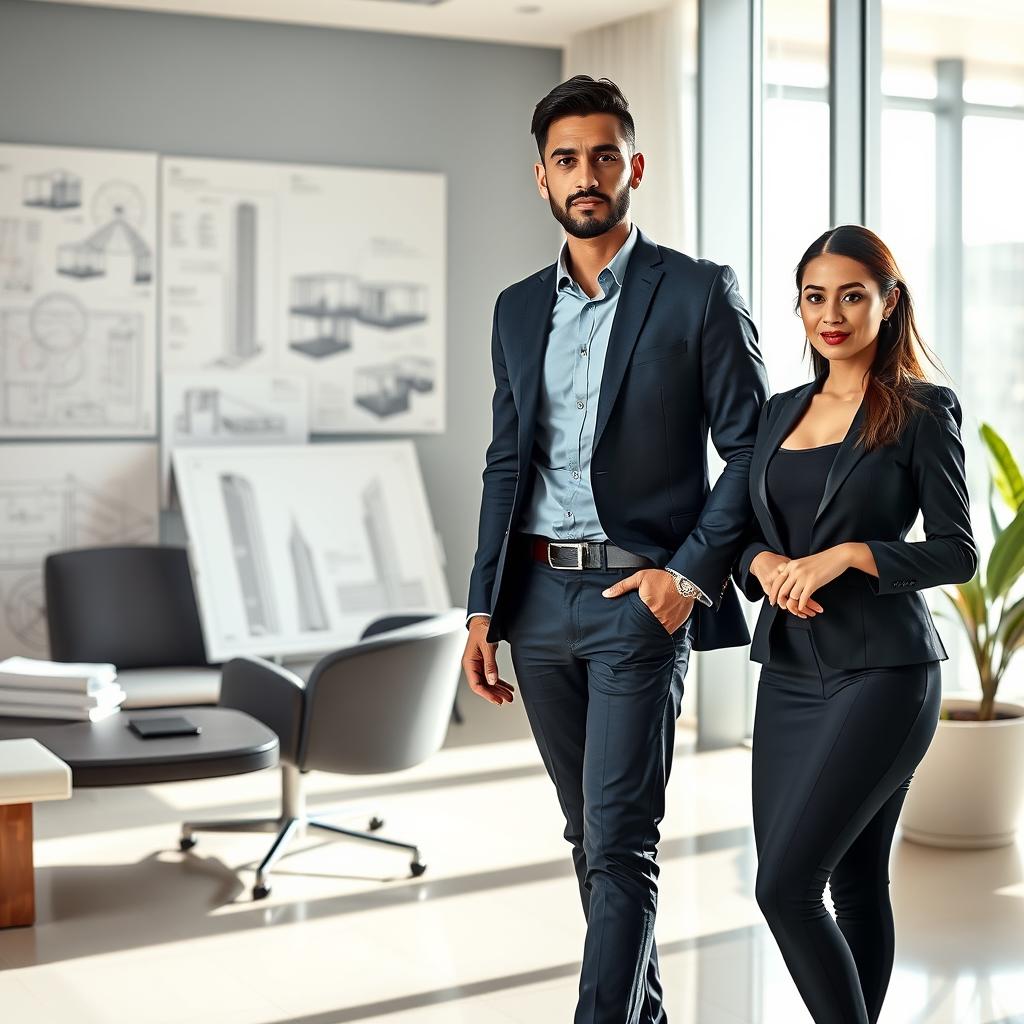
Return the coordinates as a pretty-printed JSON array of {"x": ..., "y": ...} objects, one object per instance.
[
  {"x": 134, "y": 606},
  {"x": 381, "y": 705}
]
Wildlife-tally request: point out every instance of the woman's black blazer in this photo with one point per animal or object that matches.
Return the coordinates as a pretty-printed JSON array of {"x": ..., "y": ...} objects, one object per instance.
[{"x": 873, "y": 497}]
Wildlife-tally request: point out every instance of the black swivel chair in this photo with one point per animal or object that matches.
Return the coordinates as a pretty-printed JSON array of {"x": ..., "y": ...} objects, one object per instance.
[{"x": 133, "y": 606}]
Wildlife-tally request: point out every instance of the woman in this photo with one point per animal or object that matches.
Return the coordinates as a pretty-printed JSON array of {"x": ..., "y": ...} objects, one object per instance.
[{"x": 849, "y": 693}]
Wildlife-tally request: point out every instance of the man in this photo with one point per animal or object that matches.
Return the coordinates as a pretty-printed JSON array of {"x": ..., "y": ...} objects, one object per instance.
[{"x": 598, "y": 529}]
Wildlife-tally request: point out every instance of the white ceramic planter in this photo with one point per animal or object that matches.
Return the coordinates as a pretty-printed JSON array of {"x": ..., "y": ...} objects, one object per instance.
[{"x": 968, "y": 792}]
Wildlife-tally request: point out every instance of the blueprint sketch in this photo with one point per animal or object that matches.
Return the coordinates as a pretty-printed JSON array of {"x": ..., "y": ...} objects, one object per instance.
[
  {"x": 77, "y": 292},
  {"x": 296, "y": 550},
  {"x": 325, "y": 271},
  {"x": 225, "y": 408},
  {"x": 59, "y": 496}
]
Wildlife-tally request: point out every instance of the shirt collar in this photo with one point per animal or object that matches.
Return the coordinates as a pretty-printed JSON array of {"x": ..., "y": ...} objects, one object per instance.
[{"x": 616, "y": 265}]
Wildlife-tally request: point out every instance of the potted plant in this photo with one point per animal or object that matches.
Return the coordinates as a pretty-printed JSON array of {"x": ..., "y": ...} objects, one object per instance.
[{"x": 969, "y": 789}]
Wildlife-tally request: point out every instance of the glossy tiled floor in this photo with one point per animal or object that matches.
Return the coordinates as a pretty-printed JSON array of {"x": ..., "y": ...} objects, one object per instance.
[{"x": 130, "y": 931}]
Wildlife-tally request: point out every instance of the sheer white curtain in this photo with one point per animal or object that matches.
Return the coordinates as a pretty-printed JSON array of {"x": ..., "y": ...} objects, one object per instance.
[{"x": 652, "y": 59}]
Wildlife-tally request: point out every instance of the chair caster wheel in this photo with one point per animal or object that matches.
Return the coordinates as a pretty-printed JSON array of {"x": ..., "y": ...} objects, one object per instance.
[
  {"x": 186, "y": 844},
  {"x": 417, "y": 868},
  {"x": 260, "y": 892},
  {"x": 376, "y": 823}
]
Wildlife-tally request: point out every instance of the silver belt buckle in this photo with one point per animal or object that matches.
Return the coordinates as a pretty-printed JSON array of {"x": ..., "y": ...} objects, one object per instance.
[{"x": 566, "y": 544}]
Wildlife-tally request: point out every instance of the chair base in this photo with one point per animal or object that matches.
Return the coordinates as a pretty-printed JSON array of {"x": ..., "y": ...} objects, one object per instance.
[{"x": 293, "y": 822}]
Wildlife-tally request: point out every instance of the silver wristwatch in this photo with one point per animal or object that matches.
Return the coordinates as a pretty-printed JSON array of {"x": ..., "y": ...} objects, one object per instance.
[{"x": 685, "y": 587}]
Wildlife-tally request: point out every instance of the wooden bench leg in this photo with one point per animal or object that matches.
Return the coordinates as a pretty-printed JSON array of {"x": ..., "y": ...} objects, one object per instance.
[{"x": 17, "y": 878}]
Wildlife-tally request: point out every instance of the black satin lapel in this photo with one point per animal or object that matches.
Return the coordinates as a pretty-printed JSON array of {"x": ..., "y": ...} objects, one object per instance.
[
  {"x": 785, "y": 420},
  {"x": 639, "y": 285},
  {"x": 536, "y": 324},
  {"x": 849, "y": 454}
]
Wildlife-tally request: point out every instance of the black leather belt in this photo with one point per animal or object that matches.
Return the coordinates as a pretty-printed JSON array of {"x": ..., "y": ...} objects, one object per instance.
[{"x": 584, "y": 554}]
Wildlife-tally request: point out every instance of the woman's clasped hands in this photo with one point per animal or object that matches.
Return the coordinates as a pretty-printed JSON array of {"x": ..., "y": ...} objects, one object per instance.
[{"x": 791, "y": 583}]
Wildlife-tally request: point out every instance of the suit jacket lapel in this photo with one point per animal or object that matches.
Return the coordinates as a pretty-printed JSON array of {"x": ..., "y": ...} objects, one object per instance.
[
  {"x": 787, "y": 417},
  {"x": 535, "y": 333},
  {"x": 643, "y": 272},
  {"x": 849, "y": 454}
]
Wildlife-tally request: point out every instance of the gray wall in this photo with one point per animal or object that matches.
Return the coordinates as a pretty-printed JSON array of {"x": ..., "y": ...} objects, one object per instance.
[{"x": 196, "y": 86}]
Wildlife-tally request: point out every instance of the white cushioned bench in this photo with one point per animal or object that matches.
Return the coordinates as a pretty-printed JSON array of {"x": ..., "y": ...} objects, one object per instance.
[{"x": 28, "y": 773}]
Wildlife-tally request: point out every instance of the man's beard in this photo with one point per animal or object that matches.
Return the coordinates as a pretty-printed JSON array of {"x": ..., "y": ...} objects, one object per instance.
[{"x": 591, "y": 225}]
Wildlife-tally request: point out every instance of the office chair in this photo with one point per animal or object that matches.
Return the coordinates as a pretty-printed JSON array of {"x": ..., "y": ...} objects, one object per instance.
[
  {"x": 134, "y": 606},
  {"x": 389, "y": 622},
  {"x": 381, "y": 705}
]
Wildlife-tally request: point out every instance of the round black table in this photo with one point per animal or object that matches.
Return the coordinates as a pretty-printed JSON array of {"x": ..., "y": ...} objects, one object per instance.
[{"x": 108, "y": 753}]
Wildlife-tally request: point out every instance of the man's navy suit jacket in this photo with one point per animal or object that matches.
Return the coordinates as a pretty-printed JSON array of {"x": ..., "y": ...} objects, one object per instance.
[{"x": 683, "y": 359}]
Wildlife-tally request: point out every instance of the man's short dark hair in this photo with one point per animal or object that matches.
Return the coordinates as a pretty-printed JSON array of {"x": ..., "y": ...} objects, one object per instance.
[{"x": 579, "y": 96}]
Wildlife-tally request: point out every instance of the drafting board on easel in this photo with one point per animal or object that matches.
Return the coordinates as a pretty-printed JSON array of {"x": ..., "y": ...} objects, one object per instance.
[{"x": 295, "y": 550}]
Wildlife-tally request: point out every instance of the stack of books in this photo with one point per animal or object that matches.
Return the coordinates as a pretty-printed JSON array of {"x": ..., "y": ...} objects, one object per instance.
[{"x": 79, "y": 691}]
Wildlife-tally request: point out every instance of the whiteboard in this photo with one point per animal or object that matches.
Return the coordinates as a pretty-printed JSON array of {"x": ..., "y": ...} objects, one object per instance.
[
  {"x": 77, "y": 292},
  {"x": 335, "y": 273}
]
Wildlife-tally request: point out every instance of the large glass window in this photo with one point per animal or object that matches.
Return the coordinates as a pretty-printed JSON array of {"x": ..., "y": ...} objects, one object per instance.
[
  {"x": 795, "y": 173},
  {"x": 908, "y": 204},
  {"x": 951, "y": 149}
]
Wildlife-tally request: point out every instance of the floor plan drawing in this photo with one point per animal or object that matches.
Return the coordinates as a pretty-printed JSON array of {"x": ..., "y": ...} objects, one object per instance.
[
  {"x": 59, "y": 496},
  {"x": 275, "y": 575},
  {"x": 24, "y": 612},
  {"x": 272, "y": 268},
  {"x": 77, "y": 292},
  {"x": 67, "y": 369}
]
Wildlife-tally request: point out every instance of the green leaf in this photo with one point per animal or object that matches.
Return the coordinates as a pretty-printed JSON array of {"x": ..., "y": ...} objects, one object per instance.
[
  {"x": 968, "y": 600},
  {"x": 1006, "y": 562},
  {"x": 973, "y": 597},
  {"x": 1011, "y": 632},
  {"x": 993, "y": 518},
  {"x": 1005, "y": 472}
]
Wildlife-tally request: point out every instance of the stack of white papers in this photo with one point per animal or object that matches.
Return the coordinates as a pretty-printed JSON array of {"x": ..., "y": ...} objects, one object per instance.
[{"x": 84, "y": 691}]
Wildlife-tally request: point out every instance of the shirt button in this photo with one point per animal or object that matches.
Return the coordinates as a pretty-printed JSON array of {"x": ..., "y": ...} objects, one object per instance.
[
  {"x": 583, "y": 351},
  {"x": 568, "y": 515},
  {"x": 579, "y": 405},
  {"x": 575, "y": 476}
]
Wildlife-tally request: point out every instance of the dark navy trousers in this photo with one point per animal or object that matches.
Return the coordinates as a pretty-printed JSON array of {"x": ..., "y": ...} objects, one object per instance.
[{"x": 602, "y": 680}]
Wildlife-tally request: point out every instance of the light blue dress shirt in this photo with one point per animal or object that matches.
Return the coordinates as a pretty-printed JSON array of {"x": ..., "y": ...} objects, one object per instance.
[{"x": 561, "y": 503}]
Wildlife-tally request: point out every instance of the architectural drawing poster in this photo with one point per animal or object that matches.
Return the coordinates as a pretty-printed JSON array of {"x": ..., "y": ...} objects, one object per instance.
[
  {"x": 59, "y": 496},
  {"x": 297, "y": 550},
  {"x": 223, "y": 408},
  {"x": 334, "y": 273},
  {"x": 77, "y": 292}
]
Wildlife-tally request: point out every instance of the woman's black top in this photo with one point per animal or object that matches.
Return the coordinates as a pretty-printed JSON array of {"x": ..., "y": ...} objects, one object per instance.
[{"x": 795, "y": 483}]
